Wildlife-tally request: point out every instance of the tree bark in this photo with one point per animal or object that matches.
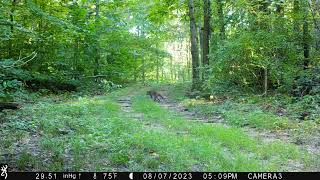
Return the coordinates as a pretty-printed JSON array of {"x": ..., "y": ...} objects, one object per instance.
[
  {"x": 194, "y": 46},
  {"x": 143, "y": 71},
  {"x": 158, "y": 71},
  {"x": 306, "y": 39},
  {"x": 97, "y": 48},
  {"x": 188, "y": 61},
  {"x": 265, "y": 81},
  {"x": 200, "y": 42},
  {"x": 206, "y": 37},
  {"x": 10, "y": 49}
]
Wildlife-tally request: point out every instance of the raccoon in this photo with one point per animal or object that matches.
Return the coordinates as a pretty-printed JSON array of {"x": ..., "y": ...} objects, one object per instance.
[{"x": 155, "y": 96}]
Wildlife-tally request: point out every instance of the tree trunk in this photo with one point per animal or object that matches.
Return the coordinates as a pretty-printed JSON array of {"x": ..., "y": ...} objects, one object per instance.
[
  {"x": 97, "y": 48},
  {"x": 306, "y": 39},
  {"x": 143, "y": 71},
  {"x": 188, "y": 61},
  {"x": 200, "y": 31},
  {"x": 10, "y": 52},
  {"x": 264, "y": 25},
  {"x": 36, "y": 66},
  {"x": 265, "y": 81},
  {"x": 221, "y": 19},
  {"x": 306, "y": 35},
  {"x": 194, "y": 47},
  {"x": 158, "y": 71},
  {"x": 315, "y": 9},
  {"x": 206, "y": 37}
]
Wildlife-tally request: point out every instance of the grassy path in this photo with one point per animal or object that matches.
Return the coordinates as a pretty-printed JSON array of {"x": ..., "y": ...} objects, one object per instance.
[{"x": 126, "y": 131}]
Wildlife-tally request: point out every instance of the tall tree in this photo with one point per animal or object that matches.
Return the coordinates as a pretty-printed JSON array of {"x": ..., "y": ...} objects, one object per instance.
[
  {"x": 301, "y": 19},
  {"x": 315, "y": 10},
  {"x": 306, "y": 35},
  {"x": 97, "y": 44},
  {"x": 194, "y": 46},
  {"x": 263, "y": 25},
  {"x": 206, "y": 36},
  {"x": 13, "y": 4}
]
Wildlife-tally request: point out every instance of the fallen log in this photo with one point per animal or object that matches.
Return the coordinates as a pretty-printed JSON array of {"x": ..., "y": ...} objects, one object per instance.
[
  {"x": 6, "y": 105},
  {"x": 53, "y": 85}
]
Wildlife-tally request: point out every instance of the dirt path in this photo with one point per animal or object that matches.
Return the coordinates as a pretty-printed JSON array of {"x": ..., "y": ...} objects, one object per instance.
[
  {"x": 262, "y": 135},
  {"x": 125, "y": 103},
  {"x": 265, "y": 136},
  {"x": 190, "y": 115}
]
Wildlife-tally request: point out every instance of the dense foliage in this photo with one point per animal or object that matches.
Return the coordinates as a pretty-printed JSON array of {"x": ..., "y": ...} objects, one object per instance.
[
  {"x": 279, "y": 37},
  {"x": 77, "y": 40}
]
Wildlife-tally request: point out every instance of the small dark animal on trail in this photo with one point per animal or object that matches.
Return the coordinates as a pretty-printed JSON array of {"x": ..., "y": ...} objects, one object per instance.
[{"x": 155, "y": 96}]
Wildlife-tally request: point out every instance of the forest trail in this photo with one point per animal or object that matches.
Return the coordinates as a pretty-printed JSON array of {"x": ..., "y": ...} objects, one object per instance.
[
  {"x": 262, "y": 135},
  {"x": 265, "y": 136}
]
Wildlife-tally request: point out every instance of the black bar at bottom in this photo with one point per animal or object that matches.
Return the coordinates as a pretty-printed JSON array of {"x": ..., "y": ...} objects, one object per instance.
[{"x": 160, "y": 176}]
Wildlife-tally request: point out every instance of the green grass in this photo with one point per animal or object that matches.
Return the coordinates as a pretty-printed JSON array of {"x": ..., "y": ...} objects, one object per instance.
[
  {"x": 94, "y": 134},
  {"x": 256, "y": 119}
]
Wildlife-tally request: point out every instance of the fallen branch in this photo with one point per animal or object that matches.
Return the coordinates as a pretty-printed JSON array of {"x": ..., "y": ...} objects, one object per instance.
[
  {"x": 96, "y": 76},
  {"x": 20, "y": 60}
]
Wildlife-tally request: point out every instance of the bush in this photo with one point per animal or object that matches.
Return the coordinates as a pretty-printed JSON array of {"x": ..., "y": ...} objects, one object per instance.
[
  {"x": 8, "y": 87},
  {"x": 307, "y": 83},
  {"x": 240, "y": 61}
]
